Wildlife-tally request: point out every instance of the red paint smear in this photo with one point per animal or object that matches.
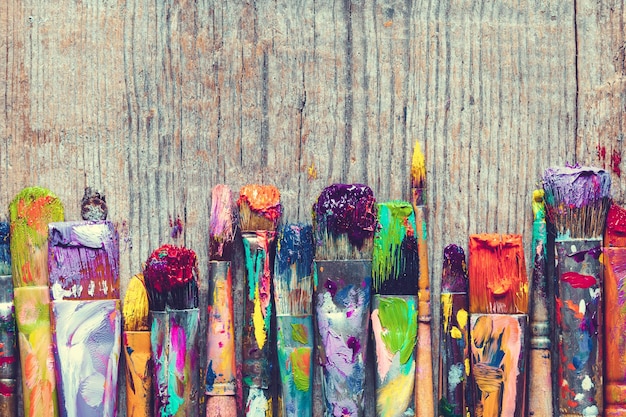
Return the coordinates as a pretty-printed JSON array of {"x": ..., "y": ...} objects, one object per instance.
[
  {"x": 577, "y": 280},
  {"x": 559, "y": 306},
  {"x": 177, "y": 227},
  {"x": 6, "y": 360},
  {"x": 601, "y": 150},
  {"x": 616, "y": 160},
  {"x": 6, "y": 390}
]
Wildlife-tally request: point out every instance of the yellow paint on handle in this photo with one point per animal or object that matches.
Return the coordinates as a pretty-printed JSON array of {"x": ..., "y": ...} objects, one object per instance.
[
  {"x": 138, "y": 373},
  {"x": 259, "y": 322}
]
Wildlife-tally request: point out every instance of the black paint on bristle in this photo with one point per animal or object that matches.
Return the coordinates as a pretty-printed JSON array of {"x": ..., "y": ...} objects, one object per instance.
[
  {"x": 223, "y": 225},
  {"x": 404, "y": 280}
]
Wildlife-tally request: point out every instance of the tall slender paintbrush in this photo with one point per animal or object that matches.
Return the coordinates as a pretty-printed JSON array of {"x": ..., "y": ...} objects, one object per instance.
[
  {"x": 577, "y": 200},
  {"x": 614, "y": 312},
  {"x": 8, "y": 353},
  {"x": 498, "y": 324},
  {"x": 171, "y": 277},
  {"x": 394, "y": 308},
  {"x": 454, "y": 348},
  {"x": 83, "y": 263},
  {"x": 344, "y": 223},
  {"x": 540, "y": 361},
  {"x": 221, "y": 373},
  {"x": 30, "y": 212},
  {"x": 424, "y": 393},
  {"x": 293, "y": 290},
  {"x": 136, "y": 340},
  {"x": 259, "y": 212}
]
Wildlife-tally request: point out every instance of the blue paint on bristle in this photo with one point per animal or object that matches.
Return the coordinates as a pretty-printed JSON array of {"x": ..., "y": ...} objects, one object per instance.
[
  {"x": 295, "y": 246},
  {"x": 5, "y": 252}
]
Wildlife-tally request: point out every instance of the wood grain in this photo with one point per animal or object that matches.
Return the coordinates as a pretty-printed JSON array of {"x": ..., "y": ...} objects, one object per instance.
[{"x": 155, "y": 102}]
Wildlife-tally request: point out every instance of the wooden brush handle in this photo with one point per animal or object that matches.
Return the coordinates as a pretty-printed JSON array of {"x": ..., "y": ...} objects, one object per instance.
[
  {"x": 221, "y": 406},
  {"x": 138, "y": 373}
]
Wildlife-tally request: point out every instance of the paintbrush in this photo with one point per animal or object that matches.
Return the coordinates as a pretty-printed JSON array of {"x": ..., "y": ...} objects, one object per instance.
[
  {"x": 345, "y": 219},
  {"x": 171, "y": 278},
  {"x": 293, "y": 292},
  {"x": 424, "y": 393},
  {"x": 498, "y": 324},
  {"x": 83, "y": 259},
  {"x": 454, "y": 349},
  {"x": 540, "y": 360},
  {"x": 577, "y": 200},
  {"x": 30, "y": 212},
  {"x": 259, "y": 212},
  {"x": 137, "y": 353},
  {"x": 221, "y": 373},
  {"x": 614, "y": 314},
  {"x": 394, "y": 308},
  {"x": 8, "y": 353}
]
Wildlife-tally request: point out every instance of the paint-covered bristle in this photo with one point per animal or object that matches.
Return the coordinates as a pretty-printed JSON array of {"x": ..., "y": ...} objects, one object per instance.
[
  {"x": 171, "y": 278},
  {"x": 136, "y": 306},
  {"x": 577, "y": 200},
  {"x": 293, "y": 283},
  {"x": 224, "y": 223},
  {"x": 497, "y": 274},
  {"x": 395, "y": 265},
  {"x": 259, "y": 207},
  {"x": 93, "y": 206},
  {"x": 539, "y": 205},
  {"x": 615, "y": 234},
  {"x": 30, "y": 212},
  {"x": 345, "y": 219},
  {"x": 5, "y": 250},
  {"x": 418, "y": 176},
  {"x": 454, "y": 271}
]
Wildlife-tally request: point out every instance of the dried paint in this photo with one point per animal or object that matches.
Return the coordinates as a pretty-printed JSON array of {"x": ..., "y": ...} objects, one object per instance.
[
  {"x": 498, "y": 363},
  {"x": 394, "y": 326},
  {"x": 395, "y": 262},
  {"x": 259, "y": 203},
  {"x": 342, "y": 329},
  {"x": 136, "y": 307},
  {"x": 87, "y": 350},
  {"x": 5, "y": 250},
  {"x": 93, "y": 206},
  {"x": 8, "y": 348},
  {"x": 301, "y": 365},
  {"x": 257, "y": 405},
  {"x": 136, "y": 347},
  {"x": 30, "y": 212},
  {"x": 224, "y": 222},
  {"x": 616, "y": 160},
  {"x": 497, "y": 274},
  {"x": 344, "y": 216},
  {"x": 83, "y": 260},
  {"x": 577, "y": 280},
  {"x": 221, "y": 369},
  {"x": 299, "y": 333},
  {"x": 454, "y": 271},
  {"x": 615, "y": 234},
  {"x": 176, "y": 227},
  {"x": 418, "y": 175}
]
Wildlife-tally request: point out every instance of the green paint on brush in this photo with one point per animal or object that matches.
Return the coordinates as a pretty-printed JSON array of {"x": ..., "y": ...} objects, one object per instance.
[
  {"x": 299, "y": 333},
  {"x": 396, "y": 219},
  {"x": 300, "y": 365},
  {"x": 30, "y": 212},
  {"x": 446, "y": 409},
  {"x": 398, "y": 318},
  {"x": 253, "y": 264}
]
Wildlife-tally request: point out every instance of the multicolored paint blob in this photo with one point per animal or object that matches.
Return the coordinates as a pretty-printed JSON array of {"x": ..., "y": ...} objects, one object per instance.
[
  {"x": 293, "y": 290},
  {"x": 498, "y": 363},
  {"x": 32, "y": 315},
  {"x": 259, "y": 207},
  {"x": 579, "y": 326},
  {"x": 175, "y": 356},
  {"x": 87, "y": 350},
  {"x": 454, "y": 367},
  {"x": 345, "y": 220},
  {"x": 83, "y": 260},
  {"x": 342, "y": 304}
]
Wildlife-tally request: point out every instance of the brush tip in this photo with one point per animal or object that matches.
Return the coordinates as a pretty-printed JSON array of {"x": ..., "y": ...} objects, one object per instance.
[
  {"x": 224, "y": 221},
  {"x": 93, "y": 206},
  {"x": 259, "y": 207},
  {"x": 136, "y": 307},
  {"x": 418, "y": 167},
  {"x": 454, "y": 272},
  {"x": 539, "y": 206}
]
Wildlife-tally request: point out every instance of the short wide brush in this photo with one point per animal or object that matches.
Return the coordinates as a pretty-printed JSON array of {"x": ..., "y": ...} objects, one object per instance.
[
  {"x": 577, "y": 200},
  {"x": 394, "y": 308},
  {"x": 498, "y": 324},
  {"x": 345, "y": 219}
]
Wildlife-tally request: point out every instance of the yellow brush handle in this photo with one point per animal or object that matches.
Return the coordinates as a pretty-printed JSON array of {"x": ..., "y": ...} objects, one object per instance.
[{"x": 138, "y": 374}]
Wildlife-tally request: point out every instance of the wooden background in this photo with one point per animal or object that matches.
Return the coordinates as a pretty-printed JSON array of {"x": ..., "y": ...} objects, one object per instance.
[{"x": 155, "y": 102}]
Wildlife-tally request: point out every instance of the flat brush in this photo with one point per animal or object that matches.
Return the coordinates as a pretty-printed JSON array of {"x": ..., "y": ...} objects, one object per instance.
[
  {"x": 424, "y": 378},
  {"x": 540, "y": 361},
  {"x": 454, "y": 348},
  {"x": 394, "y": 309},
  {"x": 171, "y": 277},
  {"x": 30, "y": 212},
  {"x": 221, "y": 370},
  {"x": 259, "y": 212},
  {"x": 614, "y": 262},
  {"x": 345, "y": 219},
  {"x": 577, "y": 200},
  {"x": 498, "y": 324},
  {"x": 137, "y": 352},
  {"x": 293, "y": 291},
  {"x": 8, "y": 353}
]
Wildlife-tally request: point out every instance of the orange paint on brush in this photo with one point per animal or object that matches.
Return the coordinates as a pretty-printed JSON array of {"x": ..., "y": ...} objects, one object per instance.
[
  {"x": 497, "y": 274},
  {"x": 575, "y": 308},
  {"x": 261, "y": 199}
]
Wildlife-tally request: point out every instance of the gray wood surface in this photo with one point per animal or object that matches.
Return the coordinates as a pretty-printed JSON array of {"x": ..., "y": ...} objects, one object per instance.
[{"x": 155, "y": 102}]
